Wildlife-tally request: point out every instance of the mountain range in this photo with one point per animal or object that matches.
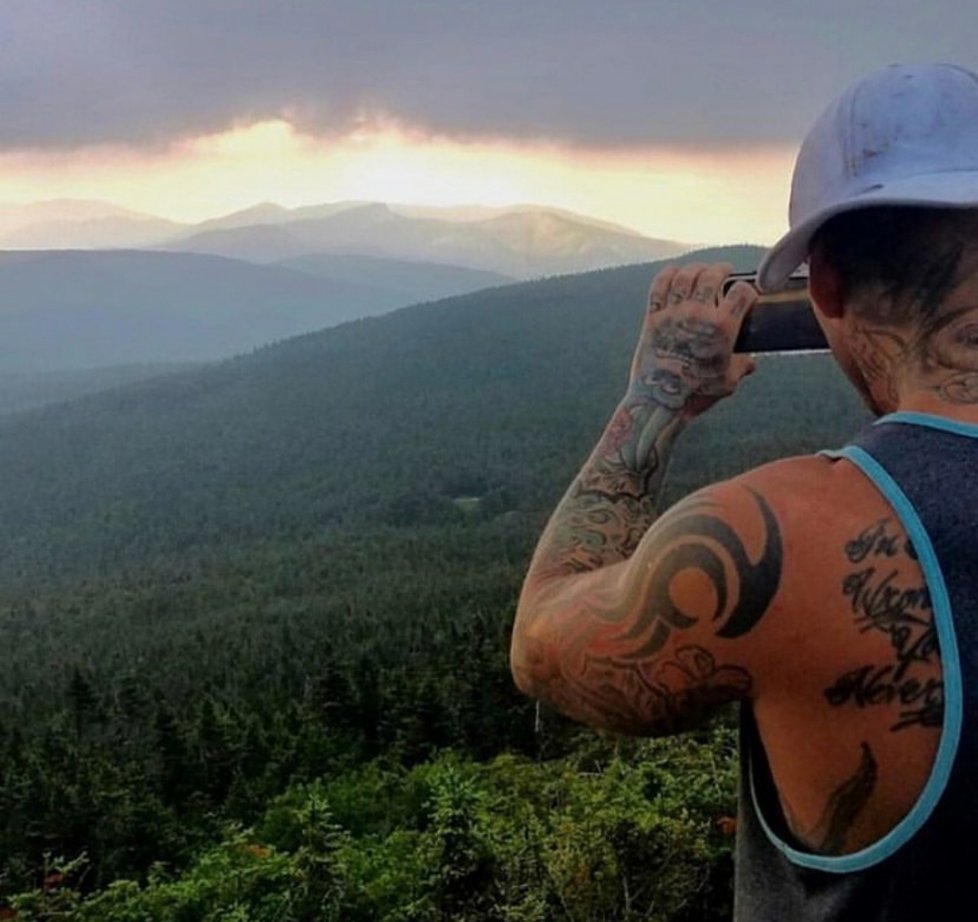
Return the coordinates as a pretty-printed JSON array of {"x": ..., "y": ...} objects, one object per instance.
[
  {"x": 86, "y": 284},
  {"x": 524, "y": 243},
  {"x": 75, "y": 309},
  {"x": 521, "y": 241}
]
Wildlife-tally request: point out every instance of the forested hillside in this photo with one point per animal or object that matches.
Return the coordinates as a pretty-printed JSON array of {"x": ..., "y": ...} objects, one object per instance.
[
  {"x": 27, "y": 391},
  {"x": 385, "y": 421},
  {"x": 256, "y": 621}
]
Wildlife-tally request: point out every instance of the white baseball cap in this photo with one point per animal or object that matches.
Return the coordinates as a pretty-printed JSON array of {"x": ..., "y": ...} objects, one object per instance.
[{"x": 905, "y": 135}]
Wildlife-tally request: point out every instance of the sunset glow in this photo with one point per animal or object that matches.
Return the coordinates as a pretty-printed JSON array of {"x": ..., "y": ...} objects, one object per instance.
[{"x": 695, "y": 196}]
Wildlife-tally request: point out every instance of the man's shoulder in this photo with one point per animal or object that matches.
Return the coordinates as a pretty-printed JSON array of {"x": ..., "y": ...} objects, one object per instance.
[
  {"x": 799, "y": 475},
  {"x": 811, "y": 507},
  {"x": 810, "y": 490}
]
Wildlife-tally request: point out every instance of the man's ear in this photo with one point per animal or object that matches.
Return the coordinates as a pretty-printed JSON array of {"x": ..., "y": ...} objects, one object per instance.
[{"x": 825, "y": 286}]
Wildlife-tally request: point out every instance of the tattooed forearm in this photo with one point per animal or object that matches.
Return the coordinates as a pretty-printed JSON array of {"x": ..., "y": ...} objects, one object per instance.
[
  {"x": 879, "y": 602},
  {"x": 830, "y": 834},
  {"x": 612, "y": 502}
]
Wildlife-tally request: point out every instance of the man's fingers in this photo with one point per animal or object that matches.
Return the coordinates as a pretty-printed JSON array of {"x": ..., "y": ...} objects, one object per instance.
[
  {"x": 659, "y": 292},
  {"x": 684, "y": 281},
  {"x": 734, "y": 307},
  {"x": 694, "y": 281},
  {"x": 738, "y": 301},
  {"x": 708, "y": 283}
]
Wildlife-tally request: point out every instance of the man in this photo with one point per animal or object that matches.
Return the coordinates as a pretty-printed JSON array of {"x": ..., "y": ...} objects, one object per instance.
[{"x": 835, "y": 596}]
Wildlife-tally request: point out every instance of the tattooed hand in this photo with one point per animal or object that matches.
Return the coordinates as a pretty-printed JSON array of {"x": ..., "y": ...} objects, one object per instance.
[{"x": 684, "y": 359}]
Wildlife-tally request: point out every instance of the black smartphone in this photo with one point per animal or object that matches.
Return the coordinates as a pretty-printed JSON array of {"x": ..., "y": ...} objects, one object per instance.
[{"x": 782, "y": 321}]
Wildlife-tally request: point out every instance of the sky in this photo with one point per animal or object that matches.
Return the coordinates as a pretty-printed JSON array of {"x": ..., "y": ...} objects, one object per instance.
[{"x": 678, "y": 118}]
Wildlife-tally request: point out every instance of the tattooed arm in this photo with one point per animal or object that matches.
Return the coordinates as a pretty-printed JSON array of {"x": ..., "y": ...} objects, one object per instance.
[
  {"x": 683, "y": 364},
  {"x": 620, "y": 613}
]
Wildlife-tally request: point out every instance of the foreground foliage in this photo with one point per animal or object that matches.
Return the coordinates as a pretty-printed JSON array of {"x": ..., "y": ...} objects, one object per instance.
[{"x": 605, "y": 835}]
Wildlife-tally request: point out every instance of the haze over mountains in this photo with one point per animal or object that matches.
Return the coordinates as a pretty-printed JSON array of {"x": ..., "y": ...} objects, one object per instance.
[
  {"x": 76, "y": 309},
  {"x": 522, "y": 241},
  {"x": 85, "y": 284}
]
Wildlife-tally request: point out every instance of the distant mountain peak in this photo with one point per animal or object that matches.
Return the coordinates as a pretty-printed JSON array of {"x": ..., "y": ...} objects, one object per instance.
[
  {"x": 374, "y": 209},
  {"x": 261, "y": 210}
]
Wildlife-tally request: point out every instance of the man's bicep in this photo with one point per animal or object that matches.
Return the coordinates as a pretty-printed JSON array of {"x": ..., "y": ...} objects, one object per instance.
[
  {"x": 710, "y": 566},
  {"x": 655, "y": 645}
]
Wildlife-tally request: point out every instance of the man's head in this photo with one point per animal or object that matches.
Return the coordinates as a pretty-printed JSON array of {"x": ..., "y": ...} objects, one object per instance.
[
  {"x": 884, "y": 206},
  {"x": 897, "y": 265},
  {"x": 896, "y": 292}
]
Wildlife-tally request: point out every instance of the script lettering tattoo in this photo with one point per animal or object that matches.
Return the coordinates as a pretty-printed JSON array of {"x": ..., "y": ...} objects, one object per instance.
[
  {"x": 828, "y": 836},
  {"x": 874, "y": 540},
  {"x": 880, "y": 602}
]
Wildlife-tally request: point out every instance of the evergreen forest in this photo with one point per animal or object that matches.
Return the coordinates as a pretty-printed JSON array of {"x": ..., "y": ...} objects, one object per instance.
[{"x": 255, "y": 620}]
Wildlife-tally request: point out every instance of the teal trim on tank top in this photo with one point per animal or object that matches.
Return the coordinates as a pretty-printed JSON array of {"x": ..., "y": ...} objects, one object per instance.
[
  {"x": 932, "y": 421},
  {"x": 950, "y": 665}
]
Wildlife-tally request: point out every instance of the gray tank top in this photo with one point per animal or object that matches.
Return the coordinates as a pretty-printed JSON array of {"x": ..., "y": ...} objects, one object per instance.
[{"x": 927, "y": 468}]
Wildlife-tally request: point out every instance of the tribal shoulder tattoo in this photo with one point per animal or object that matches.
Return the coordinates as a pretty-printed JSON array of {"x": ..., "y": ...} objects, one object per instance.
[{"x": 627, "y": 659}]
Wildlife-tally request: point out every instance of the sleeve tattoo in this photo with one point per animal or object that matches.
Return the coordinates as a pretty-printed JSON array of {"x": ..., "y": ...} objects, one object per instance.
[
  {"x": 614, "y": 667},
  {"x": 614, "y": 604}
]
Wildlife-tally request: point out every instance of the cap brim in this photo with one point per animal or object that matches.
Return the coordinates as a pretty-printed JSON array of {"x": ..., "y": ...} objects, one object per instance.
[{"x": 936, "y": 190}]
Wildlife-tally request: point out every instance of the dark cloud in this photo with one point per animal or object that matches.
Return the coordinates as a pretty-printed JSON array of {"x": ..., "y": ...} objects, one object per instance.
[{"x": 592, "y": 72}]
